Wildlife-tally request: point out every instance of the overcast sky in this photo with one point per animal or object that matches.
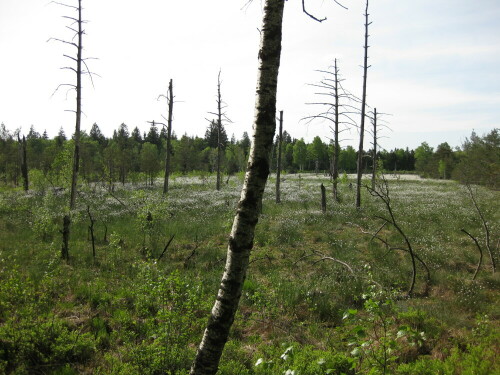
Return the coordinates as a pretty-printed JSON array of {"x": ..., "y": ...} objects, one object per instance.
[{"x": 434, "y": 64}]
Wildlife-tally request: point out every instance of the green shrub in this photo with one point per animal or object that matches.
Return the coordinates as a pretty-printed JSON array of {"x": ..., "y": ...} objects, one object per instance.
[{"x": 296, "y": 360}]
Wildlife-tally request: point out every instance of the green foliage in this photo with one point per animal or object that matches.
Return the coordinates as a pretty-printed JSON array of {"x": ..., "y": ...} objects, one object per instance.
[
  {"x": 45, "y": 215},
  {"x": 304, "y": 360},
  {"x": 480, "y": 162},
  {"x": 376, "y": 339},
  {"x": 168, "y": 305},
  {"x": 127, "y": 315}
]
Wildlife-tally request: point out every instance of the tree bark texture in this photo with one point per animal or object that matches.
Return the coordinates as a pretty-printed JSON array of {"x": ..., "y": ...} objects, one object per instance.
[
  {"x": 363, "y": 113},
  {"x": 169, "y": 136},
  {"x": 278, "y": 166},
  {"x": 242, "y": 233}
]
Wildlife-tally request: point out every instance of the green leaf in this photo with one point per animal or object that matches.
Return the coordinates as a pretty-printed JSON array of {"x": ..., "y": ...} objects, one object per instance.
[{"x": 349, "y": 313}]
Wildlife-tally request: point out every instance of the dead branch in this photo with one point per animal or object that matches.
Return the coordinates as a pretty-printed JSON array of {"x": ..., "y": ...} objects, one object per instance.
[
  {"x": 166, "y": 247},
  {"x": 480, "y": 253},
  {"x": 485, "y": 226},
  {"x": 309, "y": 14},
  {"x": 193, "y": 253},
  {"x": 383, "y": 194},
  {"x": 325, "y": 257}
]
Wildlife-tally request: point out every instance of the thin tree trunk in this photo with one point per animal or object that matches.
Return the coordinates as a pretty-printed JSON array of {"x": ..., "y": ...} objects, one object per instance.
[
  {"x": 91, "y": 228},
  {"x": 219, "y": 126},
  {"x": 278, "y": 165},
  {"x": 169, "y": 136},
  {"x": 323, "y": 198},
  {"x": 336, "y": 150},
  {"x": 374, "y": 158},
  {"x": 242, "y": 234},
  {"x": 76, "y": 155},
  {"x": 24, "y": 162},
  {"x": 363, "y": 108}
]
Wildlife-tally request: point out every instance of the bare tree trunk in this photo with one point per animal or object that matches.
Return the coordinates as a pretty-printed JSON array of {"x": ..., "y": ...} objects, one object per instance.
[
  {"x": 219, "y": 126},
  {"x": 24, "y": 162},
  {"x": 242, "y": 234},
  {"x": 169, "y": 136},
  {"x": 76, "y": 154},
  {"x": 363, "y": 109},
  {"x": 91, "y": 229},
  {"x": 278, "y": 166},
  {"x": 374, "y": 158},
  {"x": 336, "y": 150},
  {"x": 323, "y": 198}
]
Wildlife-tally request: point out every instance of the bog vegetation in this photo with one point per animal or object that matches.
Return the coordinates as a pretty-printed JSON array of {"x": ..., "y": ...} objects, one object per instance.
[
  {"x": 135, "y": 157},
  {"x": 404, "y": 284},
  {"x": 326, "y": 292}
]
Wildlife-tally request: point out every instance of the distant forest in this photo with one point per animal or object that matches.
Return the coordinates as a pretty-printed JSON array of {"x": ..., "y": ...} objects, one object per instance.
[{"x": 135, "y": 157}]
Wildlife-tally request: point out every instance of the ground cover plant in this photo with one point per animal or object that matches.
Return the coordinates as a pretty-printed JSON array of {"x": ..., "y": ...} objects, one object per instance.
[{"x": 323, "y": 295}]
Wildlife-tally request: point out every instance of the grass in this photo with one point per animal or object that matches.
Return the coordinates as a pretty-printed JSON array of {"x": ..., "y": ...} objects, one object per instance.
[{"x": 125, "y": 312}]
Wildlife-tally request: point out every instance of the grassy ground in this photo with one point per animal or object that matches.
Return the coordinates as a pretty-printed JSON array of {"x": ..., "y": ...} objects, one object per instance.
[{"x": 322, "y": 295}]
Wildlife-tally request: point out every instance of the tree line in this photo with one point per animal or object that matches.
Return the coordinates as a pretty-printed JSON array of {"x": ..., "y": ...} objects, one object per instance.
[{"x": 129, "y": 156}]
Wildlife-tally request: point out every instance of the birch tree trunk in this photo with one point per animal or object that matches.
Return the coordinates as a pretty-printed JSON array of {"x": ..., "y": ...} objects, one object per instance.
[{"x": 242, "y": 233}]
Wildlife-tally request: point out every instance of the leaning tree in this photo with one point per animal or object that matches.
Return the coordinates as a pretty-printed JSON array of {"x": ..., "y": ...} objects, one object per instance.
[{"x": 247, "y": 213}]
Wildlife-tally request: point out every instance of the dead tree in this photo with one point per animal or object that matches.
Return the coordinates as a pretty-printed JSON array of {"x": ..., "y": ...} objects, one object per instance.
[
  {"x": 323, "y": 198},
  {"x": 247, "y": 214},
  {"x": 339, "y": 111},
  {"x": 221, "y": 117},
  {"x": 168, "y": 156},
  {"x": 363, "y": 113},
  {"x": 278, "y": 166},
  {"x": 24, "y": 161},
  {"x": 377, "y": 123},
  {"x": 76, "y": 26},
  {"x": 91, "y": 230}
]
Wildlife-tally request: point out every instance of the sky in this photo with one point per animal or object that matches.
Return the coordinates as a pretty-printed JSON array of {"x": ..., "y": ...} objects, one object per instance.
[{"x": 434, "y": 65}]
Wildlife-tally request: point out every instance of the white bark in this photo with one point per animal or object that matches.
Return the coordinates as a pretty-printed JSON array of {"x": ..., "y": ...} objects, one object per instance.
[{"x": 242, "y": 233}]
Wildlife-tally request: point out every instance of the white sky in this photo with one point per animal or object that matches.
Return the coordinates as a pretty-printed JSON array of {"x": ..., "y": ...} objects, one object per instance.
[{"x": 434, "y": 64}]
